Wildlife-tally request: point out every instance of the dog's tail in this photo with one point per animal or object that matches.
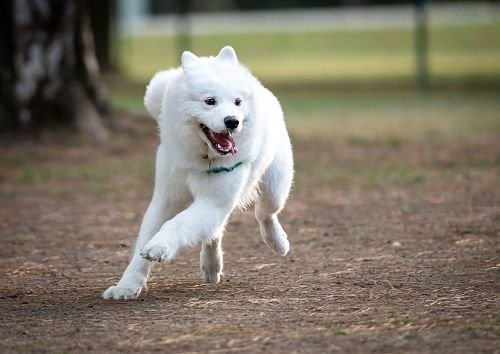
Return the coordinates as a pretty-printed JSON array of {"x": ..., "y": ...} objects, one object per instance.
[{"x": 156, "y": 90}]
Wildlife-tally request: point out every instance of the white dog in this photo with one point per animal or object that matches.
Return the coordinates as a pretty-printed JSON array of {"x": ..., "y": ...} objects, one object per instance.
[{"x": 224, "y": 145}]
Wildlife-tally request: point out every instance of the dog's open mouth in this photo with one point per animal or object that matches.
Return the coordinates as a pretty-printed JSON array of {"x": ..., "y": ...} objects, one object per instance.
[{"x": 223, "y": 143}]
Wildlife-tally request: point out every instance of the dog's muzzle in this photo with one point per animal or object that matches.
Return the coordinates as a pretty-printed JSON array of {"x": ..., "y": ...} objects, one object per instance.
[{"x": 223, "y": 142}]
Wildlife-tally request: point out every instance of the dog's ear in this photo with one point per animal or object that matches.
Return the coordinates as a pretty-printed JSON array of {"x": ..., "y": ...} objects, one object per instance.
[
  {"x": 187, "y": 59},
  {"x": 228, "y": 54}
]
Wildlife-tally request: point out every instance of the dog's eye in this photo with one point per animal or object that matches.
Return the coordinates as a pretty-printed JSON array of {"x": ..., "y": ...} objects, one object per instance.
[
  {"x": 211, "y": 101},
  {"x": 237, "y": 101}
]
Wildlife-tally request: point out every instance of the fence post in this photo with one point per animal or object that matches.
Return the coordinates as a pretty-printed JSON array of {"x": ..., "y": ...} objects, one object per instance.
[
  {"x": 182, "y": 30},
  {"x": 421, "y": 46}
]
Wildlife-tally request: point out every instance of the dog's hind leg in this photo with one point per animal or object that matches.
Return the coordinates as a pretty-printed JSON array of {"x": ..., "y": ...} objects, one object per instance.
[
  {"x": 211, "y": 260},
  {"x": 274, "y": 189}
]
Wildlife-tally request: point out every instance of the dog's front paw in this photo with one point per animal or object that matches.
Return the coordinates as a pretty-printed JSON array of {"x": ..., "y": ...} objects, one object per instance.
[
  {"x": 156, "y": 252},
  {"x": 121, "y": 293}
]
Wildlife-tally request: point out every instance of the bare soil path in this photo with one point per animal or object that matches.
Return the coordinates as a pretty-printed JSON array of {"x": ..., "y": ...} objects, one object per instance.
[{"x": 404, "y": 267}]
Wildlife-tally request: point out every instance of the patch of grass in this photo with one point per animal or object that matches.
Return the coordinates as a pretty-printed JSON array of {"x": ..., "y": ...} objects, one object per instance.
[
  {"x": 495, "y": 325},
  {"x": 410, "y": 335},
  {"x": 126, "y": 93},
  {"x": 387, "y": 119},
  {"x": 338, "y": 331},
  {"x": 392, "y": 142},
  {"x": 392, "y": 314},
  {"x": 460, "y": 51},
  {"x": 130, "y": 215},
  {"x": 15, "y": 158},
  {"x": 361, "y": 177},
  {"x": 399, "y": 319},
  {"x": 395, "y": 117},
  {"x": 34, "y": 174},
  {"x": 99, "y": 189},
  {"x": 64, "y": 194},
  {"x": 470, "y": 329}
]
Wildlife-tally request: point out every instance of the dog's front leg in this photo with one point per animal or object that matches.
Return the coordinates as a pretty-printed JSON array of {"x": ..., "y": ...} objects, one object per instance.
[
  {"x": 136, "y": 274},
  {"x": 200, "y": 221},
  {"x": 215, "y": 197},
  {"x": 161, "y": 208}
]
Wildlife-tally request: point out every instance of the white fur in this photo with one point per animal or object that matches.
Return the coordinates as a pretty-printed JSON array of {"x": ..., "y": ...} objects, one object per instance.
[{"x": 190, "y": 206}]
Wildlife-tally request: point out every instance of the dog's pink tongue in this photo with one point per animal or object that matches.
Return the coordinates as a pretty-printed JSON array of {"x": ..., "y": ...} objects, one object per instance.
[{"x": 226, "y": 141}]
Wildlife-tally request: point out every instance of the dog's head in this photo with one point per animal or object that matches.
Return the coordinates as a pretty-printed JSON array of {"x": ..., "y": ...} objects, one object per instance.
[{"x": 218, "y": 97}]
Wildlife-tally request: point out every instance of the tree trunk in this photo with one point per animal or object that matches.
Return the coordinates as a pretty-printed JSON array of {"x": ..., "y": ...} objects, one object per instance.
[
  {"x": 101, "y": 14},
  {"x": 49, "y": 74}
]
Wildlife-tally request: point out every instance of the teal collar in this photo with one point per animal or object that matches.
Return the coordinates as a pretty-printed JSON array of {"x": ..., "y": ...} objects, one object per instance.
[{"x": 223, "y": 169}]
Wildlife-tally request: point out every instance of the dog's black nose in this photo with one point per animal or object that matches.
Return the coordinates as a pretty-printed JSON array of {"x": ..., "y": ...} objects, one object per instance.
[{"x": 231, "y": 122}]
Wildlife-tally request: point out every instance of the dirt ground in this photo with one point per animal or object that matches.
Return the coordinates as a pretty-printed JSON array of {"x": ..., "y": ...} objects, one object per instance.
[{"x": 410, "y": 266}]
